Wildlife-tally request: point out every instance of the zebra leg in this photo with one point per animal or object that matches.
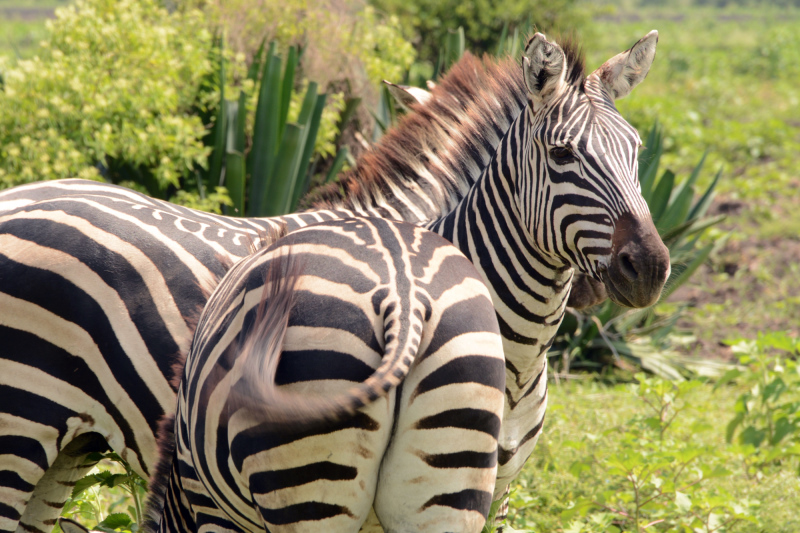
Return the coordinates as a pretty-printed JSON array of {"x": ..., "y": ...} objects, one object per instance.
[
  {"x": 502, "y": 512},
  {"x": 439, "y": 471},
  {"x": 55, "y": 486}
]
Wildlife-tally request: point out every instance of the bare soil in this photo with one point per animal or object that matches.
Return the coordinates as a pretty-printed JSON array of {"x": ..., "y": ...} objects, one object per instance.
[{"x": 751, "y": 286}]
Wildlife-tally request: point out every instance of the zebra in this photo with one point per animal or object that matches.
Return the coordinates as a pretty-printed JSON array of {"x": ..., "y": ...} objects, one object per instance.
[
  {"x": 457, "y": 171},
  {"x": 560, "y": 193},
  {"x": 316, "y": 452}
]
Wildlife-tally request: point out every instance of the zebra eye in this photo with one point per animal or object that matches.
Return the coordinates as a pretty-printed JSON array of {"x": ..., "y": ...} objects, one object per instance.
[{"x": 561, "y": 154}]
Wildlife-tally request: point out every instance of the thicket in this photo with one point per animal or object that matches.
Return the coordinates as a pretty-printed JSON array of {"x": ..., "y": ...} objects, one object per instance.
[
  {"x": 129, "y": 92},
  {"x": 110, "y": 94},
  {"x": 428, "y": 22}
]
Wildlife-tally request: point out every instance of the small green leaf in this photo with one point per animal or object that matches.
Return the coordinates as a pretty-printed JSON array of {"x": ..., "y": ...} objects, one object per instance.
[
  {"x": 683, "y": 502},
  {"x": 116, "y": 521},
  {"x": 782, "y": 428},
  {"x": 338, "y": 163},
  {"x": 85, "y": 483},
  {"x": 753, "y": 436},
  {"x": 732, "y": 425}
]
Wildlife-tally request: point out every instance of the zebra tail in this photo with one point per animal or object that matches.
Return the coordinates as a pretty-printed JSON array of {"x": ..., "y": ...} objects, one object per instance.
[
  {"x": 159, "y": 480},
  {"x": 281, "y": 410}
]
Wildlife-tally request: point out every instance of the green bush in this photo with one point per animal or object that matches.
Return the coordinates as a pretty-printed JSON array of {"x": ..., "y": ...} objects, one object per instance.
[
  {"x": 112, "y": 93},
  {"x": 429, "y": 21},
  {"x": 342, "y": 42},
  {"x": 109, "y": 498}
]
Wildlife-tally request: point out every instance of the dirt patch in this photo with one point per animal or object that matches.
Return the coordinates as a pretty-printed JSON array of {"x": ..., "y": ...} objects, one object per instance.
[{"x": 752, "y": 285}]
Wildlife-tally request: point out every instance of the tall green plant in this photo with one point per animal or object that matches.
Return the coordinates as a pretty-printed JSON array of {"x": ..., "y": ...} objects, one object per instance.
[
  {"x": 680, "y": 215},
  {"x": 271, "y": 178}
]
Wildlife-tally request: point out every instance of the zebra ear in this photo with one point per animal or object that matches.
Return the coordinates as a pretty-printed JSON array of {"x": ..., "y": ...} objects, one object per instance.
[
  {"x": 544, "y": 68},
  {"x": 407, "y": 96},
  {"x": 624, "y": 71}
]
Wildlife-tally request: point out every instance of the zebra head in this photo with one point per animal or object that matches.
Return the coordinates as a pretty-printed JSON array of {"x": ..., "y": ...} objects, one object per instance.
[{"x": 578, "y": 185}]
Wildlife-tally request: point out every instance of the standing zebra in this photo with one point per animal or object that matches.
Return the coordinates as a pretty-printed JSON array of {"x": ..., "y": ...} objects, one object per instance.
[
  {"x": 564, "y": 176},
  {"x": 529, "y": 175},
  {"x": 313, "y": 454}
]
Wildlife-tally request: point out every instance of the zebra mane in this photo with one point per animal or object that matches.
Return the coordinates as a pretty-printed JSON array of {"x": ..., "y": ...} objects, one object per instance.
[
  {"x": 443, "y": 145},
  {"x": 441, "y": 148},
  {"x": 576, "y": 60}
]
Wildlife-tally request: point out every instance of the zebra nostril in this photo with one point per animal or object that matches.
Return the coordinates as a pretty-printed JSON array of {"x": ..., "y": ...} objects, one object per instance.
[{"x": 627, "y": 267}]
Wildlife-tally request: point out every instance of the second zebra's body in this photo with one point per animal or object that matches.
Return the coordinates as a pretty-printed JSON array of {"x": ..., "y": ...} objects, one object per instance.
[{"x": 357, "y": 301}]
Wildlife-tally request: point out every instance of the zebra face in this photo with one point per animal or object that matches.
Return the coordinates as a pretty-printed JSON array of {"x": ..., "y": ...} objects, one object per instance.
[{"x": 584, "y": 205}]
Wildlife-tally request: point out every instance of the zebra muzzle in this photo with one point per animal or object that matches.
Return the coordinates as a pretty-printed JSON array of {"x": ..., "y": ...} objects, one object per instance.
[{"x": 639, "y": 265}]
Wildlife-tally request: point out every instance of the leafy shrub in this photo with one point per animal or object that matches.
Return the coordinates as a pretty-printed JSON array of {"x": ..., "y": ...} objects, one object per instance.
[
  {"x": 655, "y": 471},
  {"x": 767, "y": 421},
  {"x": 340, "y": 41},
  {"x": 588, "y": 338},
  {"x": 109, "y": 498},
  {"x": 111, "y": 94}
]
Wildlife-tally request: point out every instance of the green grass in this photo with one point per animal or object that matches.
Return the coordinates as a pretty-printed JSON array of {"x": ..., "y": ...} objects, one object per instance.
[
  {"x": 595, "y": 415},
  {"x": 22, "y": 25}
]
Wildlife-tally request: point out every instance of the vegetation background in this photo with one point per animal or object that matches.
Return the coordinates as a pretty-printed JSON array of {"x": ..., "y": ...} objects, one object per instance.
[{"x": 622, "y": 451}]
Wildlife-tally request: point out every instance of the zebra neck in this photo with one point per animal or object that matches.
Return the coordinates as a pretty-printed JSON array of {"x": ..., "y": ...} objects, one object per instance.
[{"x": 529, "y": 291}]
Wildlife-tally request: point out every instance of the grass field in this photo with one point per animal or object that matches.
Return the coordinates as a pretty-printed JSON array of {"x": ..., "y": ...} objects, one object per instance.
[
  {"x": 588, "y": 416},
  {"x": 22, "y": 25}
]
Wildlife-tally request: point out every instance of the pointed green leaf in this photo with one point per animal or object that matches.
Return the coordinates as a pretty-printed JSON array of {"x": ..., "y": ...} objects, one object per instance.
[
  {"x": 690, "y": 227},
  {"x": 699, "y": 209},
  {"x": 234, "y": 157},
  {"x": 649, "y": 159},
  {"x": 287, "y": 89},
  {"x": 658, "y": 201},
  {"x": 338, "y": 163},
  {"x": 677, "y": 211},
  {"x": 680, "y": 277},
  {"x": 303, "y": 177},
  {"x": 265, "y": 132},
  {"x": 692, "y": 177},
  {"x": 255, "y": 65},
  {"x": 280, "y": 190},
  {"x": 218, "y": 150},
  {"x": 84, "y": 483},
  {"x": 502, "y": 44},
  {"x": 116, "y": 521}
]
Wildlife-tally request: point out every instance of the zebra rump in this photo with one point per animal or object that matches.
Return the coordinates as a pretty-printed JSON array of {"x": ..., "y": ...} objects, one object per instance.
[{"x": 385, "y": 348}]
